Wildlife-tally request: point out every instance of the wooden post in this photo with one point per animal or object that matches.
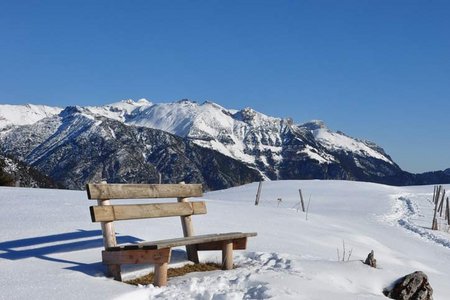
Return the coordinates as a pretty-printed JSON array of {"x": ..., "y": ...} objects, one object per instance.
[
  {"x": 159, "y": 178},
  {"x": 258, "y": 193},
  {"x": 438, "y": 193},
  {"x": 434, "y": 225},
  {"x": 227, "y": 255},
  {"x": 160, "y": 278},
  {"x": 448, "y": 212},
  {"x": 441, "y": 204},
  {"x": 301, "y": 200},
  {"x": 188, "y": 230},
  {"x": 434, "y": 193}
]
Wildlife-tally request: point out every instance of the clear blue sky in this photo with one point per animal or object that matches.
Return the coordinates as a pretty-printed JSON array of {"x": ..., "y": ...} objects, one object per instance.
[{"x": 378, "y": 70}]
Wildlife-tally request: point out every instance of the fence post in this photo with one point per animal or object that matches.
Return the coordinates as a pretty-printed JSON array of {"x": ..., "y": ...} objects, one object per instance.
[
  {"x": 448, "y": 213},
  {"x": 301, "y": 200},
  {"x": 258, "y": 193}
]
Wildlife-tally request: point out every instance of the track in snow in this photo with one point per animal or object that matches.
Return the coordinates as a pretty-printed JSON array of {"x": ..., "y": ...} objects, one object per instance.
[{"x": 405, "y": 211}]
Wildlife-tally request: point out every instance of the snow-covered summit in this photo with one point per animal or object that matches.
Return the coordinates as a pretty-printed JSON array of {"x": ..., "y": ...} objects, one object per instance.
[
  {"x": 119, "y": 110},
  {"x": 341, "y": 142},
  {"x": 25, "y": 114}
]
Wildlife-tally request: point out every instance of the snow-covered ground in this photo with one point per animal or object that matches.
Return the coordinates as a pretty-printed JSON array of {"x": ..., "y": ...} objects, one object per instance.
[{"x": 49, "y": 249}]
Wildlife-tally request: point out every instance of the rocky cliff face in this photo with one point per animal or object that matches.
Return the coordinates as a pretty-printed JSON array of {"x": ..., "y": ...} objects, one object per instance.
[
  {"x": 186, "y": 141},
  {"x": 19, "y": 174}
]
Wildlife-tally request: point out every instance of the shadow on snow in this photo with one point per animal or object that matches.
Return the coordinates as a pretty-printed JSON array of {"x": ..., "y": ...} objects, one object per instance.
[{"x": 43, "y": 246}]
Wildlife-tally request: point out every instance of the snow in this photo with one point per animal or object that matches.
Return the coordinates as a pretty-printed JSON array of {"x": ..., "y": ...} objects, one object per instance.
[
  {"x": 322, "y": 159},
  {"x": 118, "y": 111},
  {"x": 25, "y": 114},
  {"x": 50, "y": 249},
  {"x": 338, "y": 141}
]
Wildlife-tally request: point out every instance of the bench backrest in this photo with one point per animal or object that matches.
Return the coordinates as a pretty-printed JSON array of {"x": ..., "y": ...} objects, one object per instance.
[
  {"x": 104, "y": 191},
  {"x": 107, "y": 213}
]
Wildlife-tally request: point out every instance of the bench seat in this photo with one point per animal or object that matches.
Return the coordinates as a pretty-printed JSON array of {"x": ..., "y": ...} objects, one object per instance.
[{"x": 184, "y": 241}]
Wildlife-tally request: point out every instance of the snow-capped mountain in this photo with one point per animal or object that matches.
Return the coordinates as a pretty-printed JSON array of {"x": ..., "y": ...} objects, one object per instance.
[
  {"x": 132, "y": 141},
  {"x": 261, "y": 141}
]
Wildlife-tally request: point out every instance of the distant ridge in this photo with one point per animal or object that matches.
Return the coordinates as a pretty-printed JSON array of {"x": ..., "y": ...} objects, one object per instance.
[{"x": 134, "y": 141}]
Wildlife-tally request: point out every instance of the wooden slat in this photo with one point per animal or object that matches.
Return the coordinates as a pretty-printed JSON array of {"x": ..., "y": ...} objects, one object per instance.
[
  {"x": 142, "y": 191},
  {"x": 238, "y": 244},
  {"x": 107, "y": 213},
  {"x": 199, "y": 239},
  {"x": 157, "y": 256}
]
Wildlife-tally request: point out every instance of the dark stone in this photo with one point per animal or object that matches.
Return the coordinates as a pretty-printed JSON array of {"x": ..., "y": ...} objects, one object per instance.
[
  {"x": 370, "y": 260},
  {"x": 414, "y": 286}
]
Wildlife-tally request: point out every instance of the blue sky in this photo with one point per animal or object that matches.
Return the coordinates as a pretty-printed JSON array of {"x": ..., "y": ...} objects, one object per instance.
[{"x": 378, "y": 70}]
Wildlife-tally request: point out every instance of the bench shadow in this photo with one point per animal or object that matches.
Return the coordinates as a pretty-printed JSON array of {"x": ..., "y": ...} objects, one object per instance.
[{"x": 43, "y": 246}]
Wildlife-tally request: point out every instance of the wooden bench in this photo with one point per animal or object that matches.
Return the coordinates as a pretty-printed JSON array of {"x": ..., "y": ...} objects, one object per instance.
[{"x": 156, "y": 252}]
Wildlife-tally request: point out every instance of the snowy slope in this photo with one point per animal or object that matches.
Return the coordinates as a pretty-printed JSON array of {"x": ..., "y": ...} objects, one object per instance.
[
  {"x": 50, "y": 249},
  {"x": 339, "y": 141},
  {"x": 25, "y": 114}
]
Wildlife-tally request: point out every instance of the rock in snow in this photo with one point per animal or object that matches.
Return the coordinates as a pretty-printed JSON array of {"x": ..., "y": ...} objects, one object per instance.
[
  {"x": 414, "y": 286},
  {"x": 370, "y": 260}
]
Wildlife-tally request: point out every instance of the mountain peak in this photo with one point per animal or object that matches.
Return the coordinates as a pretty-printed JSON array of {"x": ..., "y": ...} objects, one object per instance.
[
  {"x": 143, "y": 101},
  {"x": 140, "y": 102},
  {"x": 70, "y": 110},
  {"x": 212, "y": 104},
  {"x": 186, "y": 101},
  {"x": 314, "y": 125},
  {"x": 246, "y": 114}
]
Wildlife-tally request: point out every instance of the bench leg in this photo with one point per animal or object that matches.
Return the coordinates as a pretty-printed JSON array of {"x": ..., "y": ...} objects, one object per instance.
[
  {"x": 227, "y": 255},
  {"x": 192, "y": 253},
  {"x": 160, "y": 278},
  {"x": 114, "y": 271}
]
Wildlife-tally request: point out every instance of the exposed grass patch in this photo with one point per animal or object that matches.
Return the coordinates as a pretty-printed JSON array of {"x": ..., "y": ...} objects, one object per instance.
[{"x": 173, "y": 272}]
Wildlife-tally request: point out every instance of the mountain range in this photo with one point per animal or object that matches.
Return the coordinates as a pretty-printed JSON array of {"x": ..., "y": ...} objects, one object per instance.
[{"x": 140, "y": 141}]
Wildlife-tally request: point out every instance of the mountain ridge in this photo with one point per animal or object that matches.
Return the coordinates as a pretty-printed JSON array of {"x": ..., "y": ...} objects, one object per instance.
[{"x": 274, "y": 148}]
